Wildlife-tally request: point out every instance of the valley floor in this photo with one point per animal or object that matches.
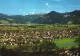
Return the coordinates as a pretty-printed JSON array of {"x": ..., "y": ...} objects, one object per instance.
[{"x": 39, "y": 38}]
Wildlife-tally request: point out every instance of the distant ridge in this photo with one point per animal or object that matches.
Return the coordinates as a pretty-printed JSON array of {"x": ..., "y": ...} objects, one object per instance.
[
  {"x": 60, "y": 18},
  {"x": 52, "y": 17}
]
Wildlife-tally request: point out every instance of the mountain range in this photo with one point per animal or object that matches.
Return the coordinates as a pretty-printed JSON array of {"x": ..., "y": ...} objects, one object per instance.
[{"x": 52, "y": 17}]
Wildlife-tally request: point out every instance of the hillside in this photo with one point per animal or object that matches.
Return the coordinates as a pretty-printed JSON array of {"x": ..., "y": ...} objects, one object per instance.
[
  {"x": 42, "y": 18},
  {"x": 18, "y": 19},
  {"x": 60, "y": 18}
]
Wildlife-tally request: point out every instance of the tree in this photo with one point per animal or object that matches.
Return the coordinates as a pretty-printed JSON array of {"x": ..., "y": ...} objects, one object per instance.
[{"x": 78, "y": 40}]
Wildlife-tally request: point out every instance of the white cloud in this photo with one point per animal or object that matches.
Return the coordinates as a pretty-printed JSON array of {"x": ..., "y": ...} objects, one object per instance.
[
  {"x": 55, "y": 0},
  {"x": 25, "y": 13},
  {"x": 20, "y": 9},
  {"x": 61, "y": 11},
  {"x": 34, "y": 9},
  {"x": 48, "y": 5}
]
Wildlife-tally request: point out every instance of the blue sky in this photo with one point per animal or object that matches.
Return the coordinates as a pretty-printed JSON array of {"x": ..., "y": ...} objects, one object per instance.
[{"x": 23, "y": 7}]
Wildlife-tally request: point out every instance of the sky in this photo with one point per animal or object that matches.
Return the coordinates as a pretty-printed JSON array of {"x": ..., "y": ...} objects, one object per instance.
[{"x": 23, "y": 7}]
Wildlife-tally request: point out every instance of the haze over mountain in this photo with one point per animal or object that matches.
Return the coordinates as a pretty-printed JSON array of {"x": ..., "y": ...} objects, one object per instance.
[{"x": 42, "y": 18}]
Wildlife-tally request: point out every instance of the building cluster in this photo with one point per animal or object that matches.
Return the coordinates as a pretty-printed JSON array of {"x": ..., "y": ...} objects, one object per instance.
[
  {"x": 15, "y": 37},
  {"x": 70, "y": 51}
]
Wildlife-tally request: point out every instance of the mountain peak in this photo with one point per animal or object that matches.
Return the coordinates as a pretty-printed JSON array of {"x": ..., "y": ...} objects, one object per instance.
[{"x": 39, "y": 13}]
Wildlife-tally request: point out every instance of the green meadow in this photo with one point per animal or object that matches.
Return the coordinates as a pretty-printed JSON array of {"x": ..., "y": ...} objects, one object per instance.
[
  {"x": 66, "y": 40},
  {"x": 37, "y": 27}
]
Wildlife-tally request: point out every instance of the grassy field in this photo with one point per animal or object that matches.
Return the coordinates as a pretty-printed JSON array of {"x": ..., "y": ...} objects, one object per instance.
[
  {"x": 37, "y": 27},
  {"x": 66, "y": 40}
]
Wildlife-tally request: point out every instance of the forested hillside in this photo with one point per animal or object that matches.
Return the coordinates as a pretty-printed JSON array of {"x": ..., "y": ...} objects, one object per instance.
[{"x": 49, "y": 18}]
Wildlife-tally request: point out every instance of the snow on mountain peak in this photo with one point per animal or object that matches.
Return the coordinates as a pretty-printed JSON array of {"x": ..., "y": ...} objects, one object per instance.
[{"x": 39, "y": 13}]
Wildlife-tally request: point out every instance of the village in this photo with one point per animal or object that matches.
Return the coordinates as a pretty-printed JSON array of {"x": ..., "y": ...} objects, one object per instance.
[{"x": 14, "y": 37}]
